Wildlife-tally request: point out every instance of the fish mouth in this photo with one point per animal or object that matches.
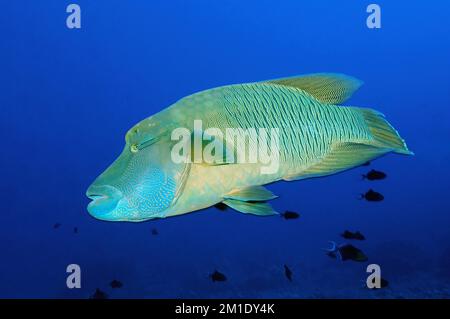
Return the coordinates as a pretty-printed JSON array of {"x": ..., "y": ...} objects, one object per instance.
[{"x": 104, "y": 200}]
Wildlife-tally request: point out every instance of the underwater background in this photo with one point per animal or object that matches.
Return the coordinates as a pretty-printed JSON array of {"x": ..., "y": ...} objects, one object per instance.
[{"x": 69, "y": 96}]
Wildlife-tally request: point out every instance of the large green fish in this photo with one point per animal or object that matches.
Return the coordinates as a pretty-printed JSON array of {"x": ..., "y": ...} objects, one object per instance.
[{"x": 316, "y": 138}]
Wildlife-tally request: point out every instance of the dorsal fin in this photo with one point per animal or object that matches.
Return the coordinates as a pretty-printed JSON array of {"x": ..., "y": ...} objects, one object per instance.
[{"x": 331, "y": 88}]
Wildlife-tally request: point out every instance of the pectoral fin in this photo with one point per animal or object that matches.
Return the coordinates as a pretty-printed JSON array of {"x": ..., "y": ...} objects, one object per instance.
[
  {"x": 255, "y": 208},
  {"x": 208, "y": 145}
]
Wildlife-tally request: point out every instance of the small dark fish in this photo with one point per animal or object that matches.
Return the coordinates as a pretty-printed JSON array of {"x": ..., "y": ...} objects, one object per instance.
[
  {"x": 75, "y": 230},
  {"x": 290, "y": 215},
  {"x": 221, "y": 206},
  {"x": 374, "y": 175},
  {"x": 98, "y": 294},
  {"x": 346, "y": 252},
  {"x": 154, "y": 232},
  {"x": 57, "y": 225},
  {"x": 116, "y": 284},
  {"x": 349, "y": 235},
  {"x": 366, "y": 164},
  {"x": 350, "y": 252},
  {"x": 217, "y": 276},
  {"x": 383, "y": 283},
  {"x": 288, "y": 273},
  {"x": 372, "y": 196}
]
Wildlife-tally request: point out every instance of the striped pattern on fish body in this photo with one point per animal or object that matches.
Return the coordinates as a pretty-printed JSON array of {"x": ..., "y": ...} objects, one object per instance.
[
  {"x": 316, "y": 138},
  {"x": 308, "y": 128}
]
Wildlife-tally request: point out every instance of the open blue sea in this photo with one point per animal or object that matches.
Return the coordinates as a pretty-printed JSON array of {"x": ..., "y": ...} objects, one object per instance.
[{"x": 68, "y": 96}]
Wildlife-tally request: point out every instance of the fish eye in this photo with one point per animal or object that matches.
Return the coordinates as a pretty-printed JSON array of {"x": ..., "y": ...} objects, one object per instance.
[{"x": 134, "y": 148}]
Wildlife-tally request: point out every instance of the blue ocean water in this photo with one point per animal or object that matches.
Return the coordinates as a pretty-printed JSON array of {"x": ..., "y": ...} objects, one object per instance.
[{"x": 68, "y": 96}]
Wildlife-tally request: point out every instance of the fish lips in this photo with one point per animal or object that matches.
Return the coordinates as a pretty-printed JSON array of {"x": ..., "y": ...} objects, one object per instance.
[{"x": 104, "y": 198}]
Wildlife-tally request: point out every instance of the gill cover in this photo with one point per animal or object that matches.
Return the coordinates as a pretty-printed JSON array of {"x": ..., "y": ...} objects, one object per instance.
[{"x": 156, "y": 181}]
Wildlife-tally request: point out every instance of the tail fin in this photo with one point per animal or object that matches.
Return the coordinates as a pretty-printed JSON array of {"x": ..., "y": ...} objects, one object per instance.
[{"x": 385, "y": 136}]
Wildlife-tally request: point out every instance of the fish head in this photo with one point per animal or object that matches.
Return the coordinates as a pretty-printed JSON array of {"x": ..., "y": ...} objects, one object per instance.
[{"x": 143, "y": 182}]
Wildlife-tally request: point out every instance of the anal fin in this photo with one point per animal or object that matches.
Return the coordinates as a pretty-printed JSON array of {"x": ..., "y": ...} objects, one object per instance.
[{"x": 342, "y": 157}]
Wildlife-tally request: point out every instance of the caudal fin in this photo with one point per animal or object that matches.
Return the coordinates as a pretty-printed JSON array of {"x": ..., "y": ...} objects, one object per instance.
[{"x": 384, "y": 135}]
